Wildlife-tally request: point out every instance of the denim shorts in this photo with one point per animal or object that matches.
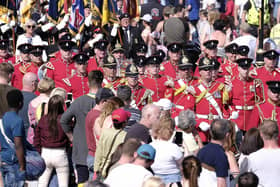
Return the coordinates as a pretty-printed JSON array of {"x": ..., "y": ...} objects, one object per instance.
[
  {"x": 12, "y": 176},
  {"x": 170, "y": 178}
]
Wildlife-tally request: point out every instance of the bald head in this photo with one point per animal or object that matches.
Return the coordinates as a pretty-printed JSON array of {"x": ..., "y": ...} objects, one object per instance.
[{"x": 29, "y": 82}]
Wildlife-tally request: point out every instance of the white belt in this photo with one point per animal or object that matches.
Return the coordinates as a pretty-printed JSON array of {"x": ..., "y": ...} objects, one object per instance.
[
  {"x": 180, "y": 107},
  {"x": 244, "y": 107},
  {"x": 205, "y": 116}
]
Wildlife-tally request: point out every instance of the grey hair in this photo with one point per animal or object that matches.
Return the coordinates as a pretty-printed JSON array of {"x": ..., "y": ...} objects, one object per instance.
[{"x": 186, "y": 119}]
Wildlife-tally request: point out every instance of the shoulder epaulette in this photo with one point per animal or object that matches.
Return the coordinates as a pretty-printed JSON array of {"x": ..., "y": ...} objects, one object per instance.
[
  {"x": 49, "y": 65},
  {"x": 67, "y": 82}
]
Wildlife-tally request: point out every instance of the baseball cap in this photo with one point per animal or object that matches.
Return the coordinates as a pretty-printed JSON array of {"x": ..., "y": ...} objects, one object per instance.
[
  {"x": 147, "y": 17},
  {"x": 120, "y": 115},
  {"x": 104, "y": 93},
  {"x": 146, "y": 151}
]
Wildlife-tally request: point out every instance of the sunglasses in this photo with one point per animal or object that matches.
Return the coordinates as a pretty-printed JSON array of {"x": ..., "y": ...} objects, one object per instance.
[
  {"x": 37, "y": 54},
  {"x": 30, "y": 26},
  {"x": 206, "y": 69}
]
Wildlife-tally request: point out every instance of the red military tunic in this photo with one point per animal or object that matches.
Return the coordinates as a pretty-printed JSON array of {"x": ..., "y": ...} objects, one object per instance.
[
  {"x": 229, "y": 68},
  {"x": 58, "y": 69},
  {"x": 169, "y": 69},
  {"x": 209, "y": 104},
  {"x": 113, "y": 85},
  {"x": 182, "y": 99},
  {"x": 93, "y": 65},
  {"x": 242, "y": 99},
  {"x": 20, "y": 70},
  {"x": 8, "y": 58},
  {"x": 77, "y": 85},
  {"x": 266, "y": 111},
  {"x": 159, "y": 85},
  {"x": 264, "y": 75},
  {"x": 141, "y": 96}
]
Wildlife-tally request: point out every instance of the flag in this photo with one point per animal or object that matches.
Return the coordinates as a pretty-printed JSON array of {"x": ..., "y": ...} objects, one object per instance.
[
  {"x": 6, "y": 7},
  {"x": 25, "y": 9},
  {"x": 131, "y": 7},
  {"x": 105, "y": 10},
  {"x": 56, "y": 9},
  {"x": 77, "y": 17}
]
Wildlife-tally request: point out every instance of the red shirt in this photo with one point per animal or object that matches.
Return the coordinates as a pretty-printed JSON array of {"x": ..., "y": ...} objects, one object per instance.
[
  {"x": 90, "y": 120},
  {"x": 43, "y": 137},
  {"x": 229, "y": 8}
]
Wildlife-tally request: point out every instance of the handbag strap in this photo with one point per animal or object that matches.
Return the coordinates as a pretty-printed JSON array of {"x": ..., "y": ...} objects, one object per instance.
[
  {"x": 8, "y": 140},
  {"x": 107, "y": 156}
]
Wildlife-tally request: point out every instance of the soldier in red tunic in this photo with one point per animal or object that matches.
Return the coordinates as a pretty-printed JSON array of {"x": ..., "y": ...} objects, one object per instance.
[
  {"x": 62, "y": 67},
  {"x": 111, "y": 80},
  {"x": 269, "y": 71},
  {"x": 140, "y": 63},
  {"x": 229, "y": 63},
  {"x": 23, "y": 66},
  {"x": 4, "y": 50},
  {"x": 210, "y": 98},
  {"x": 96, "y": 62},
  {"x": 270, "y": 109},
  {"x": 183, "y": 98},
  {"x": 78, "y": 84},
  {"x": 242, "y": 51},
  {"x": 160, "y": 85},
  {"x": 170, "y": 67},
  {"x": 245, "y": 93},
  {"x": 141, "y": 96}
]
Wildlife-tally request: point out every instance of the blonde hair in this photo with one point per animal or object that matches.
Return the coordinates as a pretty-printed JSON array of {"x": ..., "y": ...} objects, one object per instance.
[
  {"x": 213, "y": 15},
  {"x": 153, "y": 182},
  {"x": 165, "y": 129},
  {"x": 46, "y": 85},
  {"x": 59, "y": 91}
]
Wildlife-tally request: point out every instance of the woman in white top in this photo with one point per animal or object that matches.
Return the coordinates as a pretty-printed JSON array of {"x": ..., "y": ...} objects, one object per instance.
[{"x": 168, "y": 155}]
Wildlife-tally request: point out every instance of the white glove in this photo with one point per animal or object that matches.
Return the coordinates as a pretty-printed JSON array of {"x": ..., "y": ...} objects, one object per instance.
[
  {"x": 66, "y": 18},
  {"x": 78, "y": 37},
  {"x": 44, "y": 56},
  {"x": 204, "y": 126},
  {"x": 115, "y": 30},
  {"x": 43, "y": 19},
  {"x": 47, "y": 26},
  {"x": 234, "y": 115},
  {"x": 12, "y": 23},
  {"x": 97, "y": 38},
  {"x": 88, "y": 21},
  {"x": 4, "y": 28},
  {"x": 190, "y": 89},
  {"x": 61, "y": 25}
]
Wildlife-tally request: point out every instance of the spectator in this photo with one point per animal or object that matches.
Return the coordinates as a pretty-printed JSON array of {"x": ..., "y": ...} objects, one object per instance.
[
  {"x": 169, "y": 155},
  {"x": 124, "y": 93},
  {"x": 109, "y": 140},
  {"x": 45, "y": 86},
  {"x": 191, "y": 140},
  {"x": 150, "y": 117},
  {"x": 133, "y": 174},
  {"x": 248, "y": 179},
  {"x": 104, "y": 120},
  {"x": 191, "y": 169},
  {"x": 213, "y": 159},
  {"x": 126, "y": 154},
  {"x": 6, "y": 72},
  {"x": 266, "y": 161},
  {"x": 79, "y": 135},
  {"x": 251, "y": 143},
  {"x": 51, "y": 141},
  {"x": 13, "y": 142},
  {"x": 203, "y": 27},
  {"x": 29, "y": 86},
  {"x": 102, "y": 96}
]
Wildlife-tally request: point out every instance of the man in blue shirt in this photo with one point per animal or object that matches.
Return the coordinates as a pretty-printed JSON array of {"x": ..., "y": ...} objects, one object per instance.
[
  {"x": 12, "y": 138},
  {"x": 213, "y": 159}
]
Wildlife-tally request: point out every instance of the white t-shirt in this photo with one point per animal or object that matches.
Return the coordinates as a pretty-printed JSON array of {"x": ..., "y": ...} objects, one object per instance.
[
  {"x": 241, "y": 4},
  {"x": 127, "y": 175},
  {"x": 248, "y": 40},
  {"x": 265, "y": 163},
  {"x": 167, "y": 153}
]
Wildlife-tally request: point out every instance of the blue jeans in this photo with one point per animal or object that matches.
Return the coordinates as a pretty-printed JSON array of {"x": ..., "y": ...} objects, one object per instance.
[
  {"x": 90, "y": 162},
  {"x": 170, "y": 178},
  {"x": 12, "y": 176}
]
